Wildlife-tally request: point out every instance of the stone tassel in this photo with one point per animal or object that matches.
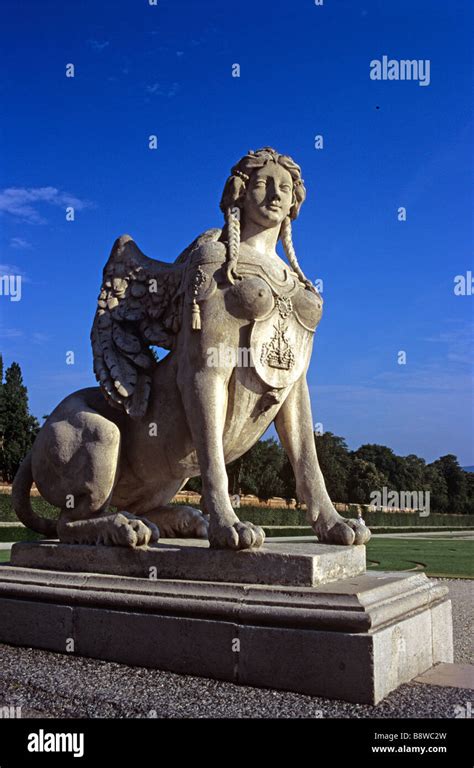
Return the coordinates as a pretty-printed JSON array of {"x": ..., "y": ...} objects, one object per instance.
[{"x": 196, "y": 317}]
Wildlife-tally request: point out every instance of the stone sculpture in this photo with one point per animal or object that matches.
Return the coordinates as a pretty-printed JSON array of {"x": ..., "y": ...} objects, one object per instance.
[{"x": 133, "y": 442}]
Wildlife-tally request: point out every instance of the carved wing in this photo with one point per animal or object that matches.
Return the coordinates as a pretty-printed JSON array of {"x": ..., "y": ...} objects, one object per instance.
[{"x": 139, "y": 305}]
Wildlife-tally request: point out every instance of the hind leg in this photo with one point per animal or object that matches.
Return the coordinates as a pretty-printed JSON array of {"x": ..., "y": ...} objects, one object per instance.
[
  {"x": 75, "y": 463},
  {"x": 180, "y": 521},
  {"x": 120, "y": 529}
]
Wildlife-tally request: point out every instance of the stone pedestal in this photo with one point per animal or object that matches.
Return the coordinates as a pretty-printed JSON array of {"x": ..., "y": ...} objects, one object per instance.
[
  {"x": 305, "y": 564},
  {"x": 356, "y": 639}
]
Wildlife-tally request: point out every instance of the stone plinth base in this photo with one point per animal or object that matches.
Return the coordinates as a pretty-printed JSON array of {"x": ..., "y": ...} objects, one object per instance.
[
  {"x": 303, "y": 564},
  {"x": 356, "y": 639}
]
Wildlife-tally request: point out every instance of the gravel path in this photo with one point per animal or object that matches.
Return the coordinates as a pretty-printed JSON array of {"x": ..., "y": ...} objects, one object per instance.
[
  {"x": 462, "y": 596},
  {"x": 48, "y": 684}
]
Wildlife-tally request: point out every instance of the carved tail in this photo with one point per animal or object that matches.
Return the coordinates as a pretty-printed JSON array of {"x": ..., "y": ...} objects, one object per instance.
[{"x": 21, "y": 501}]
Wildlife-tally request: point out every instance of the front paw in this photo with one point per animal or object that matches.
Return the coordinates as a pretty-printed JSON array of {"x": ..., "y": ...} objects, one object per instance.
[
  {"x": 334, "y": 532},
  {"x": 132, "y": 531},
  {"x": 237, "y": 536},
  {"x": 344, "y": 531},
  {"x": 362, "y": 533}
]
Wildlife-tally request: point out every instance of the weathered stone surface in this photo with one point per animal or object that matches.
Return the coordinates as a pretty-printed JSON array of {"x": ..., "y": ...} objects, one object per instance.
[
  {"x": 35, "y": 623},
  {"x": 355, "y": 639},
  {"x": 442, "y": 620},
  {"x": 449, "y": 675},
  {"x": 303, "y": 563}
]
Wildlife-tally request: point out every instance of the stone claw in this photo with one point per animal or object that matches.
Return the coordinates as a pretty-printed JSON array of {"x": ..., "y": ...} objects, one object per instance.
[
  {"x": 241, "y": 535},
  {"x": 135, "y": 531},
  {"x": 362, "y": 533},
  {"x": 340, "y": 530}
]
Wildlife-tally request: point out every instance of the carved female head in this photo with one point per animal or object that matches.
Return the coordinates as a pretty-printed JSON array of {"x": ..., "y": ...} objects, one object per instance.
[{"x": 266, "y": 187}]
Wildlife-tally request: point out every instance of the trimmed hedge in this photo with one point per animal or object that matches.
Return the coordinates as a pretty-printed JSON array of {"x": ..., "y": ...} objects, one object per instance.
[
  {"x": 270, "y": 516},
  {"x": 303, "y": 530},
  {"x": 295, "y": 530},
  {"x": 18, "y": 533},
  {"x": 416, "y": 521}
]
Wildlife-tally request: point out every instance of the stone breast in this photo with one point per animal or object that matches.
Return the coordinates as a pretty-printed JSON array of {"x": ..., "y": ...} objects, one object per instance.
[
  {"x": 308, "y": 308},
  {"x": 250, "y": 298}
]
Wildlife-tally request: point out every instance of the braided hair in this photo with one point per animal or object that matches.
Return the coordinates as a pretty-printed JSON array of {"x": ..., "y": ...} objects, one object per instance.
[{"x": 232, "y": 202}]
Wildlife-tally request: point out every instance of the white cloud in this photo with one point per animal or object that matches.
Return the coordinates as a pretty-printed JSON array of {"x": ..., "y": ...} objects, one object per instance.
[
  {"x": 457, "y": 342},
  {"x": 23, "y": 202},
  {"x": 18, "y": 242},
  {"x": 157, "y": 90},
  {"x": 40, "y": 338},
  {"x": 10, "y": 333},
  {"x": 98, "y": 45},
  {"x": 11, "y": 269}
]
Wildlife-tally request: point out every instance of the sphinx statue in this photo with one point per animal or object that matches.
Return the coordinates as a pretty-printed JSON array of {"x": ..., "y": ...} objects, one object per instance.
[{"x": 113, "y": 457}]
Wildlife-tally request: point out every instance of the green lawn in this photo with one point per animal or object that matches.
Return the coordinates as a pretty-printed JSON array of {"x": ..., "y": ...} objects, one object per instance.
[
  {"x": 437, "y": 557},
  {"x": 40, "y": 506},
  {"x": 18, "y": 533}
]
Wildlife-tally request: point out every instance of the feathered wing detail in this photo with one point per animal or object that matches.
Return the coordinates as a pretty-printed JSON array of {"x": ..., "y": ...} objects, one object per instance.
[{"x": 139, "y": 305}]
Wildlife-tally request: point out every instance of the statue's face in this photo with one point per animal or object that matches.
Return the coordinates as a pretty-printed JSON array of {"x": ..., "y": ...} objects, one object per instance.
[{"x": 269, "y": 195}]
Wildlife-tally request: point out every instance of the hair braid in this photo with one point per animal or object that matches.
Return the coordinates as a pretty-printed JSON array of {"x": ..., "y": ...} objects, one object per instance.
[
  {"x": 232, "y": 219},
  {"x": 287, "y": 241}
]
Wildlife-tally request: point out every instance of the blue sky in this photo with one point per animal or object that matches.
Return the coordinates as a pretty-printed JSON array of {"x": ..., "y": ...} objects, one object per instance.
[{"x": 167, "y": 70}]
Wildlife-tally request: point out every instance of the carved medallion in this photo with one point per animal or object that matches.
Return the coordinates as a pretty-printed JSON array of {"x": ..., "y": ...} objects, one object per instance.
[
  {"x": 284, "y": 306},
  {"x": 278, "y": 352}
]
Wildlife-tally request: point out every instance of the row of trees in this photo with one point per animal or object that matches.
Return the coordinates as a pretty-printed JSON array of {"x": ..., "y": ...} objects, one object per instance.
[
  {"x": 351, "y": 476},
  {"x": 18, "y": 428}
]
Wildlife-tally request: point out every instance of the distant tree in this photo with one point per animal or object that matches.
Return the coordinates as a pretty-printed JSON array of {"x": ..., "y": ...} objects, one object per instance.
[
  {"x": 270, "y": 483},
  {"x": 19, "y": 427},
  {"x": 258, "y": 471},
  {"x": 288, "y": 479},
  {"x": 234, "y": 474},
  {"x": 434, "y": 482},
  {"x": 470, "y": 493},
  {"x": 412, "y": 472},
  {"x": 2, "y": 407},
  {"x": 2, "y": 417},
  {"x": 194, "y": 484},
  {"x": 456, "y": 482},
  {"x": 364, "y": 478},
  {"x": 386, "y": 462},
  {"x": 335, "y": 461}
]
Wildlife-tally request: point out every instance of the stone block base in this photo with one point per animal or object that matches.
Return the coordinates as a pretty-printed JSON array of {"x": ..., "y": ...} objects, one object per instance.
[
  {"x": 304, "y": 564},
  {"x": 355, "y": 639}
]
